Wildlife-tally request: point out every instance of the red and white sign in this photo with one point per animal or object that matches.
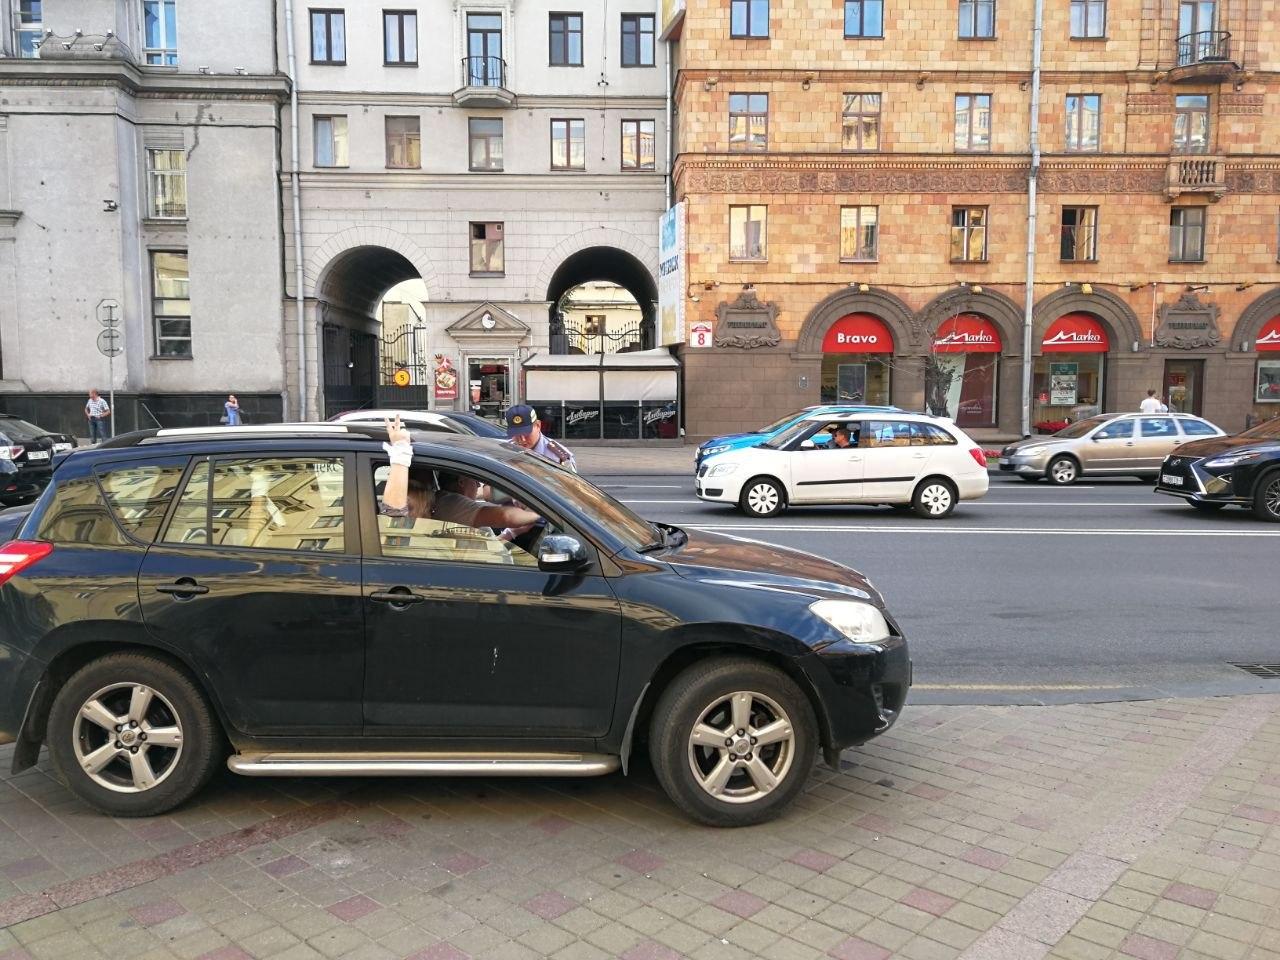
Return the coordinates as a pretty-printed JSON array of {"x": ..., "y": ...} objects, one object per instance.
[
  {"x": 1075, "y": 333},
  {"x": 858, "y": 333},
  {"x": 1269, "y": 335},
  {"x": 700, "y": 335},
  {"x": 967, "y": 333}
]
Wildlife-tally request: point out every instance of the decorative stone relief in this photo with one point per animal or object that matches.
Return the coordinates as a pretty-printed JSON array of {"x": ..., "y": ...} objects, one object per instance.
[
  {"x": 1188, "y": 324},
  {"x": 746, "y": 323}
]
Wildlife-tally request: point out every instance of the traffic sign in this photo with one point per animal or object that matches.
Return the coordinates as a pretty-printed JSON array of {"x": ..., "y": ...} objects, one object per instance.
[
  {"x": 111, "y": 342},
  {"x": 108, "y": 312}
]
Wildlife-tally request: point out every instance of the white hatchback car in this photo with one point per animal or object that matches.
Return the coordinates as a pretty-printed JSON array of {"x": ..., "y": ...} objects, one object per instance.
[{"x": 886, "y": 458}]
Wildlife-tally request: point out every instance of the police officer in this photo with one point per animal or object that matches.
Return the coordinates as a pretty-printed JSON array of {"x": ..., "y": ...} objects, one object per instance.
[{"x": 524, "y": 430}]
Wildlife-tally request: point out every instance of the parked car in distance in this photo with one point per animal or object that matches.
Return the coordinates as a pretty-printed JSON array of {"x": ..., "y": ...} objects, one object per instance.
[
  {"x": 1110, "y": 445},
  {"x": 432, "y": 421},
  {"x": 174, "y": 591},
  {"x": 739, "y": 441},
  {"x": 26, "y": 458},
  {"x": 897, "y": 459},
  {"x": 1215, "y": 472}
]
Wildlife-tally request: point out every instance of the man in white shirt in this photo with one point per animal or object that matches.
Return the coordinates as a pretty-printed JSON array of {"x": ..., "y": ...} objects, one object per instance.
[
  {"x": 97, "y": 412},
  {"x": 1152, "y": 404}
]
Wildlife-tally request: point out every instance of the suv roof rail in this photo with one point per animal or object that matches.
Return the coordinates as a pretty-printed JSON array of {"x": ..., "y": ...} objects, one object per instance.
[{"x": 247, "y": 432}]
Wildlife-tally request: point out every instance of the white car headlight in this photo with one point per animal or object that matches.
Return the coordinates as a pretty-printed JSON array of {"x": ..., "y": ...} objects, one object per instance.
[
  {"x": 1231, "y": 459},
  {"x": 722, "y": 469},
  {"x": 712, "y": 451},
  {"x": 860, "y": 622}
]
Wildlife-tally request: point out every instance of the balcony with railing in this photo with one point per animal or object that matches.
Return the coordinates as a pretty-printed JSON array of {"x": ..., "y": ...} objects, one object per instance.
[
  {"x": 484, "y": 83},
  {"x": 1200, "y": 174},
  {"x": 1204, "y": 56}
]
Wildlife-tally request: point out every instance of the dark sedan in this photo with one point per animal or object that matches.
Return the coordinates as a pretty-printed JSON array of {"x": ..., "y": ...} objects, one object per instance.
[
  {"x": 26, "y": 458},
  {"x": 1243, "y": 470}
]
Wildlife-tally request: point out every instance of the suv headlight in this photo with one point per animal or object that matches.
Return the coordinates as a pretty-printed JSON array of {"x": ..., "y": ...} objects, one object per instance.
[
  {"x": 722, "y": 469},
  {"x": 1231, "y": 459},
  {"x": 712, "y": 451},
  {"x": 860, "y": 622}
]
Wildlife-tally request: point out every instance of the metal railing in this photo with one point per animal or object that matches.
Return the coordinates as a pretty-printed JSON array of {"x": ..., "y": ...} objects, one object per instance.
[
  {"x": 1206, "y": 46},
  {"x": 484, "y": 72},
  {"x": 568, "y": 337}
]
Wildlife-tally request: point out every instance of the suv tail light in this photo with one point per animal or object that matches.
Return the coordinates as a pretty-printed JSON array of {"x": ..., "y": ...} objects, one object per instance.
[
  {"x": 979, "y": 457},
  {"x": 17, "y": 555},
  {"x": 10, "y": 453}
]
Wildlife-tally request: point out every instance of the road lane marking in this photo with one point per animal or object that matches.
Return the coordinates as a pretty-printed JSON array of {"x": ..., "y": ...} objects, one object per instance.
[
  {"x": 643, "y": 486},
  {"x": 1027, "y": 686},
  {"x": 966, "y": 505},
  {"x": 981, "y": 531}
]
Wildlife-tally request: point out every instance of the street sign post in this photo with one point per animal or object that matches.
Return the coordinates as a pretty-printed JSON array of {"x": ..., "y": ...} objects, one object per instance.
[{"x": 110, "y": 345}]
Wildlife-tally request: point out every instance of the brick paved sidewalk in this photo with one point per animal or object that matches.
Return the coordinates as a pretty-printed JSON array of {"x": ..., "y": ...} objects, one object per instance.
[{"x": 1122, "y": 830}]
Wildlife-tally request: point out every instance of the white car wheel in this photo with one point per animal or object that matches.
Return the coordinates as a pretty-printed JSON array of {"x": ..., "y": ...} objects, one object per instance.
[
  {"x": 762, "y": 497},
  {"x": 934, "y": 499}
]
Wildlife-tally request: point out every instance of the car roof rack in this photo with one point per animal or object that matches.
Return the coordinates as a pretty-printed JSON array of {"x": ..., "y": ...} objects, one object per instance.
[{"x": 248, "y": 432}]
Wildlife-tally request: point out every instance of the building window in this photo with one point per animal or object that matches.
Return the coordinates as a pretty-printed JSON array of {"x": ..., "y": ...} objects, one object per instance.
[
  {"x": 863, "y": 18},
  {"x": 1084, "y": 112},
  {"x": 486, "y": 250},
  {"x": 1268, "y": 382},
  {"x": 969, "y": 234},
  {"x": 484, "y": 136},
  {"x": 859, "y": 234},
  {"x": 1191, "y": 124},
  {"x": 171, "y": 303},
  {"x": 568, "y": 145},
  {"x": 331, "y": 141},
  {"x": 747, "y": 232},
  {"x": 400, "y": 38},
  {"x": 860, "y": 125},
  {"x": 1186, "y": 234},
  {"x": 566, "y": 39},
  {"x": 1197, "y": 21},
  {"x": 748, "y": 18},
  {"x": 485, "y": 66},
  {"x": 1088, "y": 19},
  {"x": 30, "y": 28},
  {"x": 404, "y": 143},
  {"x": 977, "y": 19},
  {"x": 160, "y": 32},
  {"x": 748, "y": 121},
  {"x": 638, "y": 145},
  {"x": 637, "y": 40},
  {"x": 167, "y": 184},
  {"x": 1079, "y": 234},
  {"x": 973, "y": 122},
  {"x": 328, "y": 36}
]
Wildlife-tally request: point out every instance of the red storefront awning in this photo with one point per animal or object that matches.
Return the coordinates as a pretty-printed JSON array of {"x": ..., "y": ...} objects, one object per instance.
[
  {"x": 1075, "y": 333},
  {"x": 967, "y": 333},
  {"x": 858, "y": 333},
  {"x": 1269, "y": 335}
]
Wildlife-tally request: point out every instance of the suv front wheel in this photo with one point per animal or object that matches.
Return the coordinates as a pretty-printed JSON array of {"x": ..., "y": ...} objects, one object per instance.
[
  {"x": 132, "y": 736},
  {"x": 732, "y": 742}
]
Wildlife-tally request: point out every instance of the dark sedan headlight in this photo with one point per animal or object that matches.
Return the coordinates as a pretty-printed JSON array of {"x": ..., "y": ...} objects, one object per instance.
[{"x": 859, "y": 622}]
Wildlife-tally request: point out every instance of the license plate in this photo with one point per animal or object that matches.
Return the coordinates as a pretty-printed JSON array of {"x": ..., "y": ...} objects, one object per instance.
[
  {"x": 1005, "y": 461},
  {"x": 1168, "y": 479},
  {"x": 37, "y": 454},
  {"x": 59, "y": 447}
]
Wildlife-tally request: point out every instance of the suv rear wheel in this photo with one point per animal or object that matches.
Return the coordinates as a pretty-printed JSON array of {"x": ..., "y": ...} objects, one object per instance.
[
  {"x": 732, "y": 742},
  {"x": 132, "y": 736}
]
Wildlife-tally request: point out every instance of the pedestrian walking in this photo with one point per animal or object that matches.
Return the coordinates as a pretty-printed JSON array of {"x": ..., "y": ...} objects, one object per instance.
[
  {"x": 232, "y": 417},
  {"x": 96, "y": 411},
  {"x": 1152, "y": 404},
  {"x": 524, "y": 430}
]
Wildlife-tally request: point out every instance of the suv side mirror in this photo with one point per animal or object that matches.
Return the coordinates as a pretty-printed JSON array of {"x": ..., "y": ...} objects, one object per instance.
[{"x": 558, "y": 553}]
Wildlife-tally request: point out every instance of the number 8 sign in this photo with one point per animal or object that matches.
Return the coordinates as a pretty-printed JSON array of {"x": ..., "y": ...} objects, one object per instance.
[{"x": 700, "y": 335}]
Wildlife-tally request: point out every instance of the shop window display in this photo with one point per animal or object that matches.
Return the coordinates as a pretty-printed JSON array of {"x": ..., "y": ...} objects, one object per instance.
[
  {"x": 856, "y": 355},
  {"x": 962, "y": 372}
]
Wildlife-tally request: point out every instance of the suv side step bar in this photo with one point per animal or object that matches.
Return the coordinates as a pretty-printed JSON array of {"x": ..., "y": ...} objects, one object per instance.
[{"x": 428, "y": 764}]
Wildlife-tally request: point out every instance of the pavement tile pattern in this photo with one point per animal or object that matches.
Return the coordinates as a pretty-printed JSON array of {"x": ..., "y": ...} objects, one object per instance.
[{"x": 1146, "y": 830}]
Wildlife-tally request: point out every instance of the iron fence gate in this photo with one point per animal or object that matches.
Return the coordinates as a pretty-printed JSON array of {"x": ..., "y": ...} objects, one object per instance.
[{"x": 360, "y": 369}]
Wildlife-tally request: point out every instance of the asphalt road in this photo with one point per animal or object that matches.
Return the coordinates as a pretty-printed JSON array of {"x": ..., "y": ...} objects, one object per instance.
[{"x": 1099, "y": 591}]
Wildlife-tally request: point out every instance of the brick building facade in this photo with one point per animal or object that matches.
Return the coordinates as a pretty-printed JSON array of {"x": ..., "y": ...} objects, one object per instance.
[{"x": 855, "y": 178}]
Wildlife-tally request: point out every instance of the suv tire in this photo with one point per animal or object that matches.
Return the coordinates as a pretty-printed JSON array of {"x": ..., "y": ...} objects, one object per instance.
[
  {"x": 711, "y": 779},
  {"x": 1266, "y": 497},
  {"x": 104, "y": 731}
]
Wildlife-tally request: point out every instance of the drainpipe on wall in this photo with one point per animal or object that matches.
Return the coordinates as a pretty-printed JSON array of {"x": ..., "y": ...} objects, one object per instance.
[
  {"x": 296, "y": 189},
  {"x": 671, "y": 185},
  {"x": 1028, "y": 311}
]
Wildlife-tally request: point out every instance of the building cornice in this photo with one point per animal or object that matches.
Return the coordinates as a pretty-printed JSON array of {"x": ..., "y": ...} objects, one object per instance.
[
  {"x": 373, "y": 98},
  {"x": 481, "y": 182},
  {"x": 143, "y": 83}
]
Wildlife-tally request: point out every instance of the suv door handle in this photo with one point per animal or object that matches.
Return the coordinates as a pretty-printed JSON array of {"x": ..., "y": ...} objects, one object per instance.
[
  {"x": 183, "y": 589},
  {"x": 399, "y": 597}
]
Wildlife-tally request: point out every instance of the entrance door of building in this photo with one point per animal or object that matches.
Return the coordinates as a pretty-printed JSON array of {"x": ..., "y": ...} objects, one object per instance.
[
  {"x": 1184, "y": 385},
  {"x": 489, "y": 385}
]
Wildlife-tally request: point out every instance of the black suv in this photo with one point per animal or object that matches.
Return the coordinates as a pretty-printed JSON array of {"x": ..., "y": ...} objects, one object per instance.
[
  {"x": 26, "y": 458},
  {"x": 177, "y": 590},
  {"x": 1212, "y": 473}
]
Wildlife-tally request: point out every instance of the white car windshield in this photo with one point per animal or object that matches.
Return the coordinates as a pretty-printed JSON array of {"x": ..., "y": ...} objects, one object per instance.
[{"x": 790, "y": 434}]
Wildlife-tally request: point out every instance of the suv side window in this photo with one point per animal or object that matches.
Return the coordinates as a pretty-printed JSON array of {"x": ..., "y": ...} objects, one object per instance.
[
  {"x": 139, "y": 496},
  {"x": 267, "y": 503},
  {"x": 98, "y": 509},
  {"x": 1116, "y": 430}
]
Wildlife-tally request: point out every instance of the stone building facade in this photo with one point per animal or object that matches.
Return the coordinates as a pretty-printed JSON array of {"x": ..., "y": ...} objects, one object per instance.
[
  {"x": 856, "y": 175},
  {"x": 139, "y": 166}
]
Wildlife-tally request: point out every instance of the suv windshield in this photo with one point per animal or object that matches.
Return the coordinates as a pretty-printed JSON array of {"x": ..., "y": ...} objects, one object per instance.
[
  {"x": 634, "y": 531},
  {"x": 1267, "y": 430},
  {"x": 1081, "y": 428}
]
